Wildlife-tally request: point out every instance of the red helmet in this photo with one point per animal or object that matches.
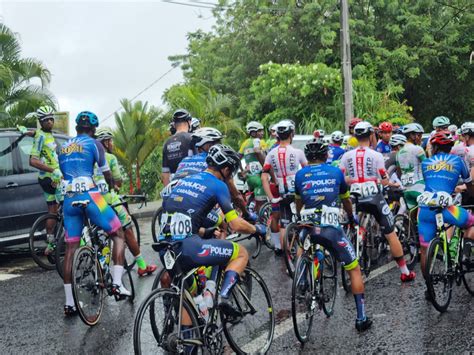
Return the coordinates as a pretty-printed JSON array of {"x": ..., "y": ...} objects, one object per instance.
[
  {"x": 354, "y": 121},
  {"x": 385, "y": 127},
  {"x": 442, "y": 138}
]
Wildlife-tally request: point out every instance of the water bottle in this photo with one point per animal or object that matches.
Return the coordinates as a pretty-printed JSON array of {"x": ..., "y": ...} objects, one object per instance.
[
  {"x": 208, "y": 294},
  {"x": 201, "y": 304}
]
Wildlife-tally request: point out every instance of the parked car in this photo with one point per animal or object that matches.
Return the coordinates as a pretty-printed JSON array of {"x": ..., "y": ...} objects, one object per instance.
[{"x": 21, "y": 196}]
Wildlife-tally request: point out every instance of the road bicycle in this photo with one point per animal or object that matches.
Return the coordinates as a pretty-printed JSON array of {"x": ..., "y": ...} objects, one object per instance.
[
  {"x": 91, "y": 273},
  {"x": 159, "y": 321}
]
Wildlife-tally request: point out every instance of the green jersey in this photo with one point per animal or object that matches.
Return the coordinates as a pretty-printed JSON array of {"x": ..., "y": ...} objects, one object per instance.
[
  {"x": 409, "y": 160},
  {"x": 44, "y": 148},
  {"x": 247, "y": 149},
  {"x": 114, "y": 167}
]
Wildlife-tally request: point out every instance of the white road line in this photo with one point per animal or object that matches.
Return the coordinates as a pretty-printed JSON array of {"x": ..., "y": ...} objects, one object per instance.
[
  {"x": 4, "y": 277},
  {"x": 8, "y": 273}
]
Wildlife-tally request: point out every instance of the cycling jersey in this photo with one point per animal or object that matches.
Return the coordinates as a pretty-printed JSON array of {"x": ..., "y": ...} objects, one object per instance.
[
  {"x": 460, "y": 150},
  {"x": 409, "y": 160},
  {"x": 175, "y": 149},
  {"x": 442, "y": 171},
  {"x": 191, "y": 165},
  {"x": 363, "y": 164},
  {"x": 383, "y": 148},
  {"x": 248, "y": 149},
  {"x": 44, "y": 148},
  {"x": 335, "y": 153}
]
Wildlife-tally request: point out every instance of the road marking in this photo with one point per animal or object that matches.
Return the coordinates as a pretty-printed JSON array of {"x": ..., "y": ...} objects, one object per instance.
[
  {"x": 4, "y": 277},
  {"x": 381, "y": 270},
  {"x": 8, "y": 273}
]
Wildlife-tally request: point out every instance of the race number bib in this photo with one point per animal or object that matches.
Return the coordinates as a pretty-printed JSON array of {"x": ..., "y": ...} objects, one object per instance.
[
  {"x": 438, "y": 199},
  {"x": 308, "y": 215},
  {"x": 330, "y": 216},
  {"x": 408, "y": 179},
  {"x": 364, "y": 189},
  {"x": 255, "y": 168},
  {"x": 103, "y": 186},
  {"x": 80, "y": 184},
  {"x": 287, "y": 188},
  {"x": 180, "y": 225}
]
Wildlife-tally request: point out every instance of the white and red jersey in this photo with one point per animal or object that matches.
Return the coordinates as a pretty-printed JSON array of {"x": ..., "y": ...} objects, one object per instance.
[
  {"x": 285, "y": 162},
  {"x": 460, "y": 150},
  {"x": 363, "y": 164}
]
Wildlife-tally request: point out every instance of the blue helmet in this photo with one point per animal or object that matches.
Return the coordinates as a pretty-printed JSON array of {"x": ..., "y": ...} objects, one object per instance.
[{"x": 87, "y": 119}]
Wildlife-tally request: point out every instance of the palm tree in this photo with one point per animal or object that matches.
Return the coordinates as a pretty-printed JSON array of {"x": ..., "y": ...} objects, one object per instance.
[
  {"x": 23, "y": 81},
  {"x": 139, "y": 132}
]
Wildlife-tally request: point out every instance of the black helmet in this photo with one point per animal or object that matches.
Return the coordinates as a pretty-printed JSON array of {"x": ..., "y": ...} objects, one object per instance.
[
  {"x": 221, "y": 156},
  {"x": 315, "y": 148},
  {"x": 181, "y": 115}
]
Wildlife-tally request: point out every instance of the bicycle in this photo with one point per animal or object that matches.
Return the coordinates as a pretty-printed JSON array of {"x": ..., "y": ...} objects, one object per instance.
[
  {"x": 446, "y": 265},
  {"x": 91, "y": 274},
  {"x": 158, "y": 322},
  {"x": 314, "y": 286},
  {"x": 407, "y": 231}
]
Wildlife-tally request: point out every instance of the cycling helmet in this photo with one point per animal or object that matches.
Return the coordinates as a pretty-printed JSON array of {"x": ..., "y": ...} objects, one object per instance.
[
  {"x": 195, "y": 124},
  {"x": 362, "y": 129},
  {"x": 337, "y": 136},
  {"x": 354, "y": 121},
  {"x": 441, "y": 121},
  {"x": 319, "y": 133},
  {"x": 206, "y": 135},
  {"x": 442, "y": 138},
  {"x": 468, "y": 128},
  {"x": 412, "y": 128},
  {"x": 44, "y": 113},
  {"x": 285, "y": 126},
  {"x": 453, "y": 128},
  {"x": 87, "y": 119},
  {"x": 181, "y": 115},
  {"x": 385, "y": 127},
  {"x": 397, "y": 139},
  {"x": 104, "y": 133},
  {"x": 253, "y": 126},
  {"x": 315, "y": 148},
  {"x": 272, "y": 128},
  {"x": 221, "y": 156}
]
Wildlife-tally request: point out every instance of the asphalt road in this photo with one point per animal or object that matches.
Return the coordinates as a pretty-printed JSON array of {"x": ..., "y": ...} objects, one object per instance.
[{"x": 31, "y": 318}]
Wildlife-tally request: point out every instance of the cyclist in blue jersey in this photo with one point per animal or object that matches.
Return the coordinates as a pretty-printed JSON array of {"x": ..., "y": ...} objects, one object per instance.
[
  {"x": 185, "y": 211},
  {"x": 76, "y": 160},
  {"x": 385, "y": 132},
  {"x": 318, "y": 187},
  {"x": 441, "y": 174},
  {"x": 335, "y": 151}
]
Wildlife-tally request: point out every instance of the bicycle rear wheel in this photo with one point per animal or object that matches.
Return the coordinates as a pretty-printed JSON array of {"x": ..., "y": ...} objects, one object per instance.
[
  {"x": 155, "y": 224},
  {"x": 265, "y": 217},
  {"x": 290, "y": 246},
  {"x": 408, "y": 238},
  {"x": 128, "y": 254},
  {"x": 155, "y": 328},
  {"x": 345, "y": 278},
  {"x": 253, "y": 333},
  {"x": 438, "y": 280},
  {"x": 59, "y": 255},
  {"x": 87, "y": 285},
  {"x": 38, "y": 241},
  {"x": 468, "y": 265},
  {"x": 127, "y": 281},
  {"x": 303, "y": 300},
  {"x": 329, "y": 283}
]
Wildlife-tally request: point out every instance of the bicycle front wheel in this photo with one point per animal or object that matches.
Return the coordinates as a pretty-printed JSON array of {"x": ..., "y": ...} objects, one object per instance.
[
  {"x": 303, "y": 300},
  {"x": 87, "y": 285},
  {"x": 43, "y": 255},
  {"x": 155, "y": 224},
  {"x": 290, "y": 246},
  {"x": 438, "y": 280},
  {"x": 468, "y": 266},
  {"x": 329, "y": 283},
  {"x": 155, "y": 329},
  {"x": 253, "y": 332}
]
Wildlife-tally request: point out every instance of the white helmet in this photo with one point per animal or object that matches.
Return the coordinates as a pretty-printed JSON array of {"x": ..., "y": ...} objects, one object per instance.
[
  {"x": 254, "y": 126},
  {"x": 453, "y": 128},
  {"x": 337, "y": 136},
  {"x": 362, "y": 129},
  {"x": 195, "y": 124},
  {"x": 412, "y": 128},
  {"x": 467, "y": 128},
  {"x": 206, "y": 135},
  {"x": 284, "y": 126},
  {"x": 397, "y": 139}
]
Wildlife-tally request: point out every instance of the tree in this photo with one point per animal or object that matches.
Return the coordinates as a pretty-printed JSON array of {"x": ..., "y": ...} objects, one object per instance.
[
  {"x": 19, "y": 94},
  {"x": 140, "y": 130}
]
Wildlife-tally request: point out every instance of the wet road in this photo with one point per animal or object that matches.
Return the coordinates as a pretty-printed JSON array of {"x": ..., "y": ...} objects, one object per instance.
[{"x": 31, "y": 319}]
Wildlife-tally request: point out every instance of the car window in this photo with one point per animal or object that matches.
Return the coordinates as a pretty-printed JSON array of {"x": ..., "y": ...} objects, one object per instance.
[
  {"x": 6, "y": 161},
  {"x": 24, "y": 147}
]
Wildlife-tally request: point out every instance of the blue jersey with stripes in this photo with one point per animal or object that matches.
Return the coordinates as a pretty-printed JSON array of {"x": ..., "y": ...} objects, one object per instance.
[
  {"x": 191, "y": 165},
  {"x": 383, "y": 148},
  {"x": 319, "y": 185},
  {"x": 442, "y": 171},
  {"x": 335, "y": 153}
]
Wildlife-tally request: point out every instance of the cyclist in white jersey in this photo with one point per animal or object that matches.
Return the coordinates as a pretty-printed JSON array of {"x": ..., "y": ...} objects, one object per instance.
[
  {"x": 284, "y": 161},
  {"x": 467, "y": 132},
  {"x": 365, "y": 168}
]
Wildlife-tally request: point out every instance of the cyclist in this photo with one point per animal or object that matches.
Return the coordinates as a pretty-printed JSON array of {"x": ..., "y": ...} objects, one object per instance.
[
  {"x": 385, "y": 132},
  {"x": 185, "y": 210},
  {"x": 272, "y": 142},
  {"x": 335, "y": 151},
  {"x": 283, "y": 161},
  {"x": 365, "y": 168},
  {"x": 440, "y": 123},
  {"x": 409, "y": 160},
  {"x": 462, "y": 148},
  {"x": 105, "y": 136},
  {"x": 453, "y": 129},
  {"x": 76, "y": 160},
  {"x": 253, "y": 151},
  {"x": 195, "y": 124},
  {"x": 352, "y": 141},
  {"x": 178, "y": 146},
  {"x": 44, "y": 157},
  {"x": 318, "y": 187},
  {"x": 467, "y": 132},
  {"x": 394, "y": 193}
]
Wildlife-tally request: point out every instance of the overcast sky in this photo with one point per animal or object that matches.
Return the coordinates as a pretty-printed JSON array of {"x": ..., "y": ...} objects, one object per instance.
[{"x": 99, "y": 52}]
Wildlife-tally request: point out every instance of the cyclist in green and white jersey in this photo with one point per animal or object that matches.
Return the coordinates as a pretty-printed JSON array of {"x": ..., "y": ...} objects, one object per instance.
[
  {"x": 105, "y": 136},
  {"x": 44, "y": 157},
  {"x": 409, "y": 160}
]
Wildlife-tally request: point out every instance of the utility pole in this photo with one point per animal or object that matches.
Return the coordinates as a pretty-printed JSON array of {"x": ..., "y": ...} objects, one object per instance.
[{"x": 346, "y": 66}]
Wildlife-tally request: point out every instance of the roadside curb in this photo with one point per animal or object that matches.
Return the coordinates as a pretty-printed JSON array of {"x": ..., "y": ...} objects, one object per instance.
[{"x": 146, "y": 211}]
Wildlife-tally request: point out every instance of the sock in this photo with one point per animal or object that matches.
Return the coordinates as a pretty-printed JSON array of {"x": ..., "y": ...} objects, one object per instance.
[
  {"x": 360, "y": 305},
  {"x": 402, "y": 265},
  {"x": 69, "y": 296},
  {"x": 140, "y": 261},
  {"x": 230, "y": 279},
  {"x": 117, "y": 272},
  {"x": 276, "y": 239}
]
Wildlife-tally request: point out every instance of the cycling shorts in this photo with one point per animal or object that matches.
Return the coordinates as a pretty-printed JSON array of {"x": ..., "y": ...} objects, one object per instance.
[
  {"x": 411, "y": 194},
  {"x": 454, "y": 215},
  {"x": 113, "y": 199},
  {"x": 98, "y": 211},
  {"x": 377, "y": 207},
  {"x": 254, "y": 183},
  {"x": 334, "y": 240},
  {"x": 195, "y": 251},
  {"x": 49, "y": 191},
  {"x": 286, "y": 214}
]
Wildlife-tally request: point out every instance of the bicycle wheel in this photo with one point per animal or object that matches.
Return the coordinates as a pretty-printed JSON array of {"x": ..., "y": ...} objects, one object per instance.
[
  {"x": 128, "y": 254},
  {"x": 303, "y": 301},
  {"x": 253, "y": 333},
  {"x": 87, "y": 285},
  {"x": 155, "y": 329},
  {"x": 468, "y": 266},
  {"x": 290, "y": 246},
  {"x": 155, "y": 224},
  {"x": 345, "y": 278},
  {"x": 329, "y": 283},
  {"x": 38, "y": 241},
  {"x": 127, "y": 281},
  {"x": 157, "y": 282},
  {"x": 365, "y": 261},
  {"x": 59, "y": 255},
  {"x": 408, "y": 238},
  {"x": 265, "y": 217},
  {"x": 438, "y": 280}
]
